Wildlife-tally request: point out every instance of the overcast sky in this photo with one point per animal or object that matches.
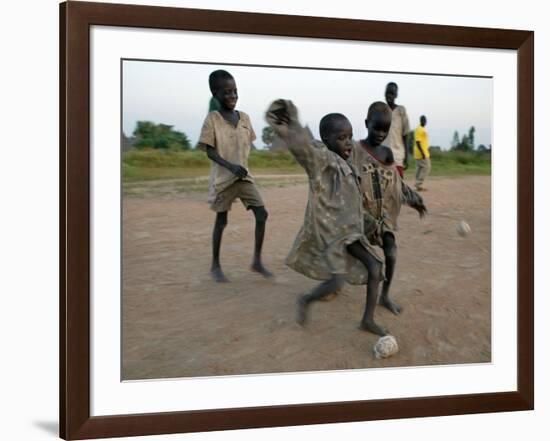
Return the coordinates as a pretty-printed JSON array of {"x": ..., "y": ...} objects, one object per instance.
[{"x": 177, "y": 94}]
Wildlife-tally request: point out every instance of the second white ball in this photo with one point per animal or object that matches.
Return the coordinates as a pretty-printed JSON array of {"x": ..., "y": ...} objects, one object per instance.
[{"x": 463, "y": 229}]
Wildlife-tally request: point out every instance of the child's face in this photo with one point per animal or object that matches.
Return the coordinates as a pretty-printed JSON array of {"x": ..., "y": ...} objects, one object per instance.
[
  {"x": 391, "y": 94},
  {"x": 226, "y": 94},
  {"x": 378, "y": 126},
  {"x": 423, "y": 121},
  {"x": 340, "y": 138}
]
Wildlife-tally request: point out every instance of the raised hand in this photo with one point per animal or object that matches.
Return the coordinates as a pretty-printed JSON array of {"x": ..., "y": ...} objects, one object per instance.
[{"x": 282, "y": 114}]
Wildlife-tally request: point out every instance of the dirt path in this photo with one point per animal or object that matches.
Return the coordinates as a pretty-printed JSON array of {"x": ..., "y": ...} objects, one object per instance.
[{"x": 177, "y": 322}]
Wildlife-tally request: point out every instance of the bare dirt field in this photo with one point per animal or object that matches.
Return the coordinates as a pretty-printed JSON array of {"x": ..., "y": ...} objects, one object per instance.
[{"x": 177, "y": 322}]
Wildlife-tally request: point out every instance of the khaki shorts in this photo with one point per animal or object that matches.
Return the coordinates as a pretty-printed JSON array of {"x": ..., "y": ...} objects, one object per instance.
[{"x": 244, "y": 190}]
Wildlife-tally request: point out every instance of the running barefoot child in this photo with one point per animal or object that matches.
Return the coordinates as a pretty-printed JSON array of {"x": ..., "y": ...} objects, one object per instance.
[
  {"x": 383, "y": 191},
  {"x": 227, "y": 137},
  {"x": 331, "y": 245}
]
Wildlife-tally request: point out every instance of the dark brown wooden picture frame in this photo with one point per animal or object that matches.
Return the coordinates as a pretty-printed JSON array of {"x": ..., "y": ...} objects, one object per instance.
[{"x": 75, "y": 21}]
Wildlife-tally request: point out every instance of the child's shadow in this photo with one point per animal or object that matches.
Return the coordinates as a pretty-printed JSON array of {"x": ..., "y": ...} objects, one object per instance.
[{"x": 48, "y": 426}]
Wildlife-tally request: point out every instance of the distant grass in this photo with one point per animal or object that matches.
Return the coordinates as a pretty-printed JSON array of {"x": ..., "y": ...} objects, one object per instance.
[
  {"x": 147, "y": 165},
  {"x": 144, "y": 165},
  {"x": 458, "y": 164}
]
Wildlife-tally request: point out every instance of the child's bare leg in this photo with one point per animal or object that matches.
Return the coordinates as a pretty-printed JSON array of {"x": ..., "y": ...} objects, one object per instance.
[
  {"x": 219, "y": 226},
  {"x": 390, "y": 254},
  {"x": 260, "y": 213},
  {"x": 321, "y": 291},
  {"x": 374, "y": 269}
]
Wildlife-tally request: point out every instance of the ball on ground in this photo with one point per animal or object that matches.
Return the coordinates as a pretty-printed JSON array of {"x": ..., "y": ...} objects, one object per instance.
[
  {"x": 462, "y": 228},
  {"x": 385, "y": 347}
]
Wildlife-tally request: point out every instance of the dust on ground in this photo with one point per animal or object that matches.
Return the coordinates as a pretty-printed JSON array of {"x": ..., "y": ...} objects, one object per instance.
[{"x": 177, "y": 322}]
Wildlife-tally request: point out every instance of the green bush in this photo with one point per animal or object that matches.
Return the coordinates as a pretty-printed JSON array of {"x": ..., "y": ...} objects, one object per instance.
[{"x": 159, "y": 136}]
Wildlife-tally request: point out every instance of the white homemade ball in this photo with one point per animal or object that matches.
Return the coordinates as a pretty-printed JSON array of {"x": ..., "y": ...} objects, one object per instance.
[
  {"x": 462, "y": 228},
  {"x": 385, "y": 347}
]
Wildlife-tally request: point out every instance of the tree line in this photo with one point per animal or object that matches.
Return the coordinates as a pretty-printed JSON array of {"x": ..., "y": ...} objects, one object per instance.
[
  {"x": 158, "y": 136},
  {"x": 163, "y": 136},
  {"x": 466, "y": 143}
]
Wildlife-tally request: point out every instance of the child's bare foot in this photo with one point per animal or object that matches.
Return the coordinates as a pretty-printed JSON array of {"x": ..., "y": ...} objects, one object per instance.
[
  {"x": 388, "y": 303},
  {"x": 259, "y": 268},
  {"x": 370, "y": 326},
  {"x": 218, "y": 275},
  {"x": 301, "y": 311}
]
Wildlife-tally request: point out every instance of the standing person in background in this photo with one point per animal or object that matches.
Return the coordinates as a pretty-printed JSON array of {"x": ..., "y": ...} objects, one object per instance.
[
  {"x": 422, "y": 154},
  {"x": 397, "y": 136}
]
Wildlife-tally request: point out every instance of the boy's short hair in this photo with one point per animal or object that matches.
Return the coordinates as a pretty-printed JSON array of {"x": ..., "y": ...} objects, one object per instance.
[
  {"x": 392, "y": 84},
  {"x": 327, "y": 122},
  {"x": 217, "y": 76},
  {"x": 378, "y": 106}
]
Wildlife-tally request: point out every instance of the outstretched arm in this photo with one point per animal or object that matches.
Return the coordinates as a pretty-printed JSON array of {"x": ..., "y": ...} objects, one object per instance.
[
  {"x": 413, "y": 200},
  {"x": 237, "y": 170},
  {"x": 282, "y": 115}
]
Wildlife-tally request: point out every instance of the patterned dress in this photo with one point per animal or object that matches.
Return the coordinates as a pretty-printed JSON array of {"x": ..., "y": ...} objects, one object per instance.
[
  {"x": 382, "y": 191},
  {"x": 334, "y": 212}
]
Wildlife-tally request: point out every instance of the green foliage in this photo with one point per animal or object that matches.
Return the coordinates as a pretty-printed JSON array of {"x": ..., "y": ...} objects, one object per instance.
[
  {"x": 214, "y": 105},
  {"x": 145, "y": 164},
  {"x": 159, "y": 136},
  {"x": 268, "y": 134},
  {"x": 153, "y": 158},
  {"x": 467, "y": 144},
  {"x": 455, "y": 141},
  {"x": 410, "y": 142},
  {"x": 457, "y": 162},
  {"x": 269, "y": 160},
  {"x": 152, "y": 164},
  {"x": 482, "y": 148},
  {"x": 471, "y": 139}
]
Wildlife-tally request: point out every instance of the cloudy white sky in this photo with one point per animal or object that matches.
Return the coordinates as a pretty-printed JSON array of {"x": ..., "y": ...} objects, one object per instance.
[{"x": 178, "y": 94}]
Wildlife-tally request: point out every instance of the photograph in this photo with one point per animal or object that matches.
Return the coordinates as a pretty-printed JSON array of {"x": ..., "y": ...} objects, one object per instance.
[
  {"x": 330, "y": 220},
  {"x": 286, "y": 219}
]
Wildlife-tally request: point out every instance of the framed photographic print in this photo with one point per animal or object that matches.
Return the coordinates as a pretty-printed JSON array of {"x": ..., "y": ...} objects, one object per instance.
[{"x": 181, "y": 311}]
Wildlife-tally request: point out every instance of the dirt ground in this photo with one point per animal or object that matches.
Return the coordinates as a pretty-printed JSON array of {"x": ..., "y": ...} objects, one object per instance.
[{"x": 178, "y": 323}]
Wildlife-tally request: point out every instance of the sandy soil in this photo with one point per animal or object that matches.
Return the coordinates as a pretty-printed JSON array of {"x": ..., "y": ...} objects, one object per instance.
[{"x": 177, "y": 322}]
